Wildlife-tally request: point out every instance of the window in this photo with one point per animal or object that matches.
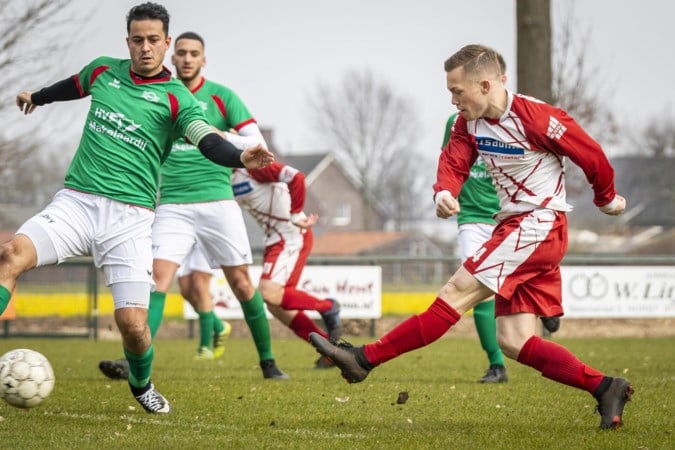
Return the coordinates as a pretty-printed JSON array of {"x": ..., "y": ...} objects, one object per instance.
[{"x": 342, "y": 215}]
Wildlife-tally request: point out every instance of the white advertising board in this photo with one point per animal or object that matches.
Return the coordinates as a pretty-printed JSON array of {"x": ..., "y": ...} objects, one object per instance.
[
  {"x": 618, "y": 291},
  {"x": 358, "y": 289}
]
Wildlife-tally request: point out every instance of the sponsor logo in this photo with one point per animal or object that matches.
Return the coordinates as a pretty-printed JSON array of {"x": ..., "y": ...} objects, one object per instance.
[
  {"x": 586, "y": 286},
  {"x": 115, "y": 83},
  {"x": 242, "y": 188},
  {"x": 555, "y": 129},
  {"x": 204, "y": 105},
  {"x": 494, "y": 146},
  {"x": 121, "y": 125},
  {"x": 150, "y": 96}
]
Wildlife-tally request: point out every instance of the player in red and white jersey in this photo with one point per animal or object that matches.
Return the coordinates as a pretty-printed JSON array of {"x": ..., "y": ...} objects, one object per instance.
[
  {"x": 524, "y": 143},
  {"x": 275, "y": 197}
]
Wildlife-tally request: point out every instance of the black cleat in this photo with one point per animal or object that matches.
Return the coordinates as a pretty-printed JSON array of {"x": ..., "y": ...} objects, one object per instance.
[
  {"x": 495, "y": 374},
  {"x": 117, "y": 369},
  {"x": 331, "y": 319},
  {"x": 610, "y": 405},
  {"x": 271, "y": 371},
  {"x": 150, "y": 399},
  {"x": 552, "y": 324},
  {"x": 324, "y": 362},
  {"x": 344, "y": 355}
]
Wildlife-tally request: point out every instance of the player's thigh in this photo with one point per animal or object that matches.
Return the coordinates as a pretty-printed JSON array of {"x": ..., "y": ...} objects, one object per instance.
[
  {"x": 123, "y": 244},
  {"x": 174, "y": 232},
  {"x": 64, "y": 229},
  {"x": 222, "y": 235}
]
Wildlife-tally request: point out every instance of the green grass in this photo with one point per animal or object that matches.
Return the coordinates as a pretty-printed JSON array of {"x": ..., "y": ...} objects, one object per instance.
[{"x": 227, "y": 404}]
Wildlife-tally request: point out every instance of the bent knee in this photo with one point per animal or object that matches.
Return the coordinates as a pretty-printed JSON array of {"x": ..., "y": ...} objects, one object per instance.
[
  {"x": 18, "y": 255},
  {"x": 511, "y": 345}
]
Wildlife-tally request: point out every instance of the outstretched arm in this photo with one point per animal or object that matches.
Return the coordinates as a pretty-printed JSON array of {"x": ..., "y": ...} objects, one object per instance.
[
  {"x": 60, "y": 91},
  {"x": 221, "y": 152}
]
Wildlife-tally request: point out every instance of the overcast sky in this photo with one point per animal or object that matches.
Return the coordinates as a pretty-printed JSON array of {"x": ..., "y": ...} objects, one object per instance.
[{"x": 273, "y": 52}]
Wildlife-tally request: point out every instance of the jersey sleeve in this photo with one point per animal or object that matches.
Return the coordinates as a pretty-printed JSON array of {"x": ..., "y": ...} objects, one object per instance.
[
  {"x": 277, "y": 172},
  {"x": 238, "y": 114},
  {"x": 455, "y": 160},
  {"x": 86, "y": 77},
  {"x": 185, "y": 109},
  {"x": 558, "y": 132}
]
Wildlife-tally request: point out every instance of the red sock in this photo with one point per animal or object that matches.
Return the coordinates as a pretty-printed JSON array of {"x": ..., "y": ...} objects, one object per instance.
[
  {"x": 303, "y": 325},
  {"x": 415, "y": 332},
  {"x": 559, "y": 364},
  {"x": 297, "y": 299}
]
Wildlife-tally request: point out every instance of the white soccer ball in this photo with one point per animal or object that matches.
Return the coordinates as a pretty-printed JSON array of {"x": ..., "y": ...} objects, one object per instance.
[{"x": 26, "y": 378}]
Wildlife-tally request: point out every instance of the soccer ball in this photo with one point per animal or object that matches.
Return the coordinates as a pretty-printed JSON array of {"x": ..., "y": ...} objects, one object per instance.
[{"x": 26, "y": 378}]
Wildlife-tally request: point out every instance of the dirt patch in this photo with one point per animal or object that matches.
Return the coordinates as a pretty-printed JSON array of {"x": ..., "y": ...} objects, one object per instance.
[{"x": 179, "y": 328}]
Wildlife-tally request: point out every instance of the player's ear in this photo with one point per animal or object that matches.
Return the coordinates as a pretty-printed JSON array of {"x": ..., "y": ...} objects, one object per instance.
[{"x": 485, "y": 86}]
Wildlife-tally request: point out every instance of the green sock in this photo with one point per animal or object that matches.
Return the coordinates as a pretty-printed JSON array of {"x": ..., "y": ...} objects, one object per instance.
[
  {"x": 140, "y": 367},
  {"x": 254, "y": 313},
  {"x": 156, "y": 311},
  {"x": 218, "y": 326},
  {"x": 205, "y": 328},
  {"x": 486, "y": 325},
  {"x": 5, "y": 295}
]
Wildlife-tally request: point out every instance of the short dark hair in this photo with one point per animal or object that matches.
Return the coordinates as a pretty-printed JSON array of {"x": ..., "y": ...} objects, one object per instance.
[
  {"x": 190, "y": 35},
  {"x": 476, "y": 57},
  {"x": 149, "y": 11}
]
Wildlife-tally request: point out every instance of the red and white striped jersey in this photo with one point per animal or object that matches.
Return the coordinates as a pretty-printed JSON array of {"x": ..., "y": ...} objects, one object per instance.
[
  {"x": 271, "y": 195},
  {"x": 525, "y": 152}
]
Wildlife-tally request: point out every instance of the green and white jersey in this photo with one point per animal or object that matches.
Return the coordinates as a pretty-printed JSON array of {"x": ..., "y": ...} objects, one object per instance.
[
  {"x": 130, "y": 126},
  {"x": 478, "y": 198},
  {"x": 187, "y": 176}
]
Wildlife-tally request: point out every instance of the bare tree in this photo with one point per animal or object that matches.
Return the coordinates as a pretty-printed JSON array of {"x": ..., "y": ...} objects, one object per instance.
[
  {"x": 372, "y": 130},
  {"x": 35, "y": 33},
  {"x": 657, "y": 138},
  {"x": 579, "y": 85}
]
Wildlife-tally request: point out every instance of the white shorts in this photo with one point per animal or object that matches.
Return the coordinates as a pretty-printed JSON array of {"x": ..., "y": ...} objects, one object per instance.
[
  {"x": 194, "y": 262},
  {"x": 218, "y": 228},
  {"x": 471, "y": 236},
  {"x": 117, "y": 235}
]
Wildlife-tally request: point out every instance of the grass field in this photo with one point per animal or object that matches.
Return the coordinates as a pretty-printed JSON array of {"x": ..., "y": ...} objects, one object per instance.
[{"x": 227, "y": 404}]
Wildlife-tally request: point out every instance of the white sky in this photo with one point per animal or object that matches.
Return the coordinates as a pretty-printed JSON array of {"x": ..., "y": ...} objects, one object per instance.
[{"x": 274, "y": 52}]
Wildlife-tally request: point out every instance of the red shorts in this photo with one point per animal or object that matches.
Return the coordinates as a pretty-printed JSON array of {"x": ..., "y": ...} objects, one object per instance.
[
  {"x": 283, "y": 262},
  {"x": 521, "y": 263}
]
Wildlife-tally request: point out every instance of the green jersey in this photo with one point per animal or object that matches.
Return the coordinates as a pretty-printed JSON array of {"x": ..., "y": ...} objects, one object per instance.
[
  {"x": 130, "y": 126},
  {"x": 478, "y": 198},
  {"x": 187, "y": 176}
]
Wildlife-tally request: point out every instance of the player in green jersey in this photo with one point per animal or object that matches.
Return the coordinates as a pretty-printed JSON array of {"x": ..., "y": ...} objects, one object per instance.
[
  {"x": 197, "y": 212},
  {"x": 106, "y": 207}
]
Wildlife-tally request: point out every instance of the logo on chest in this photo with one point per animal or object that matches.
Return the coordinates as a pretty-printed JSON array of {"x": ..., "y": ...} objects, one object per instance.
[{"x": 498, "y": 149}]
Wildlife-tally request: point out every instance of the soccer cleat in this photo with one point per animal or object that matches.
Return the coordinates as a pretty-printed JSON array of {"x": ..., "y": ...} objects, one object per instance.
[
  {"x": 219, "y": 340},
  {"x": 495, "y": 374},
  {"x": 344, "y": 355},
  {"x": 117, "y": 369},
  {"x": 271, "y": 371},
  {"x": 331, "y": 319},
  {"x": 324, "y": 362},
  {"x": 552, "y": 324},
  {"x": 150, "y": 399},
  {"x": 204, "y": 354},
  {"x": 610, "y": 405}
]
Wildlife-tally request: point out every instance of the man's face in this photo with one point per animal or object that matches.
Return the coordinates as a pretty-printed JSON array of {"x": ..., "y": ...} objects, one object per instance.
[
  {"x": 468, "y": 95},
  {"x": 147, "y": 46},
  {"x": 188, "y": 58}
]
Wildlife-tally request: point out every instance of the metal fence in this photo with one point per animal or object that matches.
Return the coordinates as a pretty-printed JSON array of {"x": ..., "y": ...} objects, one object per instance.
[{"x": 75, "y": 286}]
